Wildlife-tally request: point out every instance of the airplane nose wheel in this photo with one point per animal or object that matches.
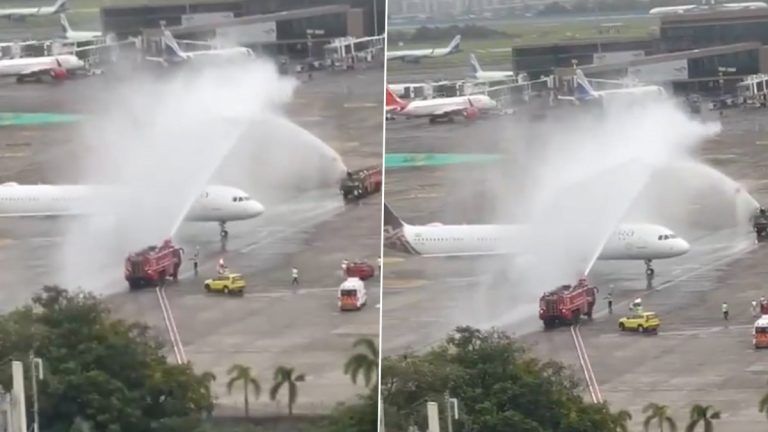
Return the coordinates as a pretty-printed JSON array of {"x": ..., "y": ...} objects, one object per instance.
[
  {"x": 649, "y": 271},
  {"x": 223, "y": 233}
]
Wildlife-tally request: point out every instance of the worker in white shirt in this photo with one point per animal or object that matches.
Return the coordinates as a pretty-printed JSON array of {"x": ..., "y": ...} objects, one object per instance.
[{"x": 295, "y": 276}]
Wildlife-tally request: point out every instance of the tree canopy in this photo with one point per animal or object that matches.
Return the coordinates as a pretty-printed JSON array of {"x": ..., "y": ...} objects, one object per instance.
[
  {"x": 103, "y": 372},
  {"x": 499, "y": 386}
]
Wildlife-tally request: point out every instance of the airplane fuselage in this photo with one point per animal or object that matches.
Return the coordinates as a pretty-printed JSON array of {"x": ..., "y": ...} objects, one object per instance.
[
  {"x": 22, "y": 65},
  {"x": 441, "y": 106},
  {"x": 215, "y": 204},
  {"x": 627, "y": 242}
]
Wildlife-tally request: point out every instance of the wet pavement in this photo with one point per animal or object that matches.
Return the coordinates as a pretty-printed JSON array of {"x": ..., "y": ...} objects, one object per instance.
[
  {"x": 693, "y": 359},
  {"x": 308, "y": 227}
]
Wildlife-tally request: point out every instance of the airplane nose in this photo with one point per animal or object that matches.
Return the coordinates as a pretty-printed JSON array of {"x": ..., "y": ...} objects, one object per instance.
[
  {"x": 256, "y": 208},
  {"x": 682, "y": 246}
]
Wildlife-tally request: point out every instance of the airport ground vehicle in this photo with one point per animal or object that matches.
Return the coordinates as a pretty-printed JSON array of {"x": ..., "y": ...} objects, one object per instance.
[
  {"x": 229, "y": 283},
  {"x": 760, "y": 224},
  {"x": 352, "y": 295},
  {"x": 152, "y": 265},
  {"x": 644, "y": 322},
  {"x": 566, "y": 304},
  {"x": 360, "y": 269},
  {"x": 361, "y": 183},
  {"x": 760, "y": 333}
]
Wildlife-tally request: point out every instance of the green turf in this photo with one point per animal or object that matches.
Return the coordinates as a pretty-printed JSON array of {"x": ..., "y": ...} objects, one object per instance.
[
  {"x": 22, "y": 119},
  {"x": 403, "y": 160}
]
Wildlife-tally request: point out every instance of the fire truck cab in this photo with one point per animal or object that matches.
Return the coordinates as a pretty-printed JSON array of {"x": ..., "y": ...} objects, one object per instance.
[
  {"x": 152, "y": 265},
  {"x": 361, "y": 183},
  {"x": 566, "y": 304}
]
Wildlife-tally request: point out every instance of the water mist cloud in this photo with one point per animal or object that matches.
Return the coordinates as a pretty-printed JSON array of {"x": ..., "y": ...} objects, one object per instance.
[
  {"x": 159, "y": 142},
  {"x": 583, "y": 177}
]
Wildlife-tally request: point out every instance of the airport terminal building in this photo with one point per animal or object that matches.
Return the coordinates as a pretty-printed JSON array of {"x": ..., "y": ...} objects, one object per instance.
[
  {"x": 706, "y": 51},
  {"x": 278, "y": 26}
]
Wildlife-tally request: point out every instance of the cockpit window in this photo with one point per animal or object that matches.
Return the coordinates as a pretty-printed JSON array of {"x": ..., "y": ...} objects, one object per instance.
[{"x": 667, "y": 237}]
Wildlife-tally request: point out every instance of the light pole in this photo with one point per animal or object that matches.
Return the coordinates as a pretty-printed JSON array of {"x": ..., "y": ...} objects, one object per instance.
[{"x": 37, "y": 373}]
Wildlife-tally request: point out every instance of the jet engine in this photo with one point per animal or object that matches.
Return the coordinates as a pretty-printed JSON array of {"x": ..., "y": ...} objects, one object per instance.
[
  {"x": 59, "y": 73},
  {"x": 471, "y": 113}
]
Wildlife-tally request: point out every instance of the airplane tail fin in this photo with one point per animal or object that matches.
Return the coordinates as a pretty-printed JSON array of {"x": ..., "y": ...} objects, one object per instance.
[
  {"x": 583, "y": 89},
  {"x": 64, "y": 24},
  {"x": 473, "y": 63},
  {"x": 454, "y": 45},
  {"x": 60, "y": 6},
  {"x": 394, "y": 237},
  {"x": 393, "y": 101}
]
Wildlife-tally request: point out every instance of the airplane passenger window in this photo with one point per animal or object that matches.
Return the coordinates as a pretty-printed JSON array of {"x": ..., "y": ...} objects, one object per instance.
[{"x": 234, "y": 199}]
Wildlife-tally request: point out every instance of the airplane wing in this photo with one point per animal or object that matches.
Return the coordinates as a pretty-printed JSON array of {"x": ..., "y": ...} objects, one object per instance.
[
  {"x": 36, "y": 71},
  {"x": 456, "y": 109}
]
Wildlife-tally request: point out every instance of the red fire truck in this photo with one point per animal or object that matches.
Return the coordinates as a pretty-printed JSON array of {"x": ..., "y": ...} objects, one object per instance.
[
  {"x": 361, "y": 270},
  {"x": 361, "y": 183},
  {"x": 152, "y": 265},
  {"x": 566, "y": 304}
]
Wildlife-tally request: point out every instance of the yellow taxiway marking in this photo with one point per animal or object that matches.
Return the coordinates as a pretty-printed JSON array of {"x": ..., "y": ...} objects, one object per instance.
[
  {"x": 392, "y": 260},
  {"x": 10, "y": 155},
  {"x": 403, "y": 283}
]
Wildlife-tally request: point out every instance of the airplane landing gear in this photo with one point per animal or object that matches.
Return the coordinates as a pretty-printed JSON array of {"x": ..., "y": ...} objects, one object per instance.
[
  {"x": 223, "y": 233},
  {"x": 649, "y": 268}
]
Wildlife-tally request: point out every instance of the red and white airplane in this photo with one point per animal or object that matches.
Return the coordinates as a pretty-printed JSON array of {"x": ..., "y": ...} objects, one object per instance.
[
  {"x": 57, "y": 67},
  {"x": 439, "y": 108}
]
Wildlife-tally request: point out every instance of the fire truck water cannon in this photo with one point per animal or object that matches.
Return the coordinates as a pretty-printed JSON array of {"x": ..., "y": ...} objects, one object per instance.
[
  {"x": 566, "y": 304},
  {"x": 152, "y": 265}
]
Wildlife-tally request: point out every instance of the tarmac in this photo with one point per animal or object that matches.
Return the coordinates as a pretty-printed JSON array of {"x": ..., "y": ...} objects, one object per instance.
[
  {"x": 697, "y": 357},
  {"x": 311, "y": 229}
]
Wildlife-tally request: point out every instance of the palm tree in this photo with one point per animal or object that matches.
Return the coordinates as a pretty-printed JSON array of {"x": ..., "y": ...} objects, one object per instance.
[
  {"x": 702, "y": 414},
  {"x": 621, "y": 420},
  {"x": 365, "y": 363},
  {"x": 284, "y": 375},
  {"x": 660, "y": 413},
  {"x": 237, "y": 373},
  {"x": 764, "y": 405}
]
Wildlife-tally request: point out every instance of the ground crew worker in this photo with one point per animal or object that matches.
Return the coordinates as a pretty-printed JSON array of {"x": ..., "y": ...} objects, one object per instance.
[
  {"x": 295, "y": 275},
  {"x": 637, "y": 306},
  {"x": 195, "y": 259},
  {"x": 220, "y": 267},
  {"x": 755, "y": 310},
  {"x": 724, "y": 307},
  {"x": 609, "y": 298},
  {"x": 378, "y": 260}
]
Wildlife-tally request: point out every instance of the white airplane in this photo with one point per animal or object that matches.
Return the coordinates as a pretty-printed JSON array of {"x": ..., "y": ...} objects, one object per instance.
[
  {"x": 645, "y": 242},
  {"x": 22, "y": 13},
  {"x": 175, "y": 54},
  {"x": 665, "y": 10},
  {"x": 584, "y": 93},
  {"x": 415, "y": 56},
  {"x": 439, "y": 108},
  {"x": 58, "y": 67},
  {"x": 479, "y": 74},
  {"x": 220, "y": 204},
  {"x": 73, "y": 35}
]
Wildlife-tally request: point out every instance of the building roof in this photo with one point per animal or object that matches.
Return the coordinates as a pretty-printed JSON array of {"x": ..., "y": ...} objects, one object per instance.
[
  {"x": 253, "y": 19},
  {"x": 661, "y": 58},
  {"x": 713, "y": 17}
]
